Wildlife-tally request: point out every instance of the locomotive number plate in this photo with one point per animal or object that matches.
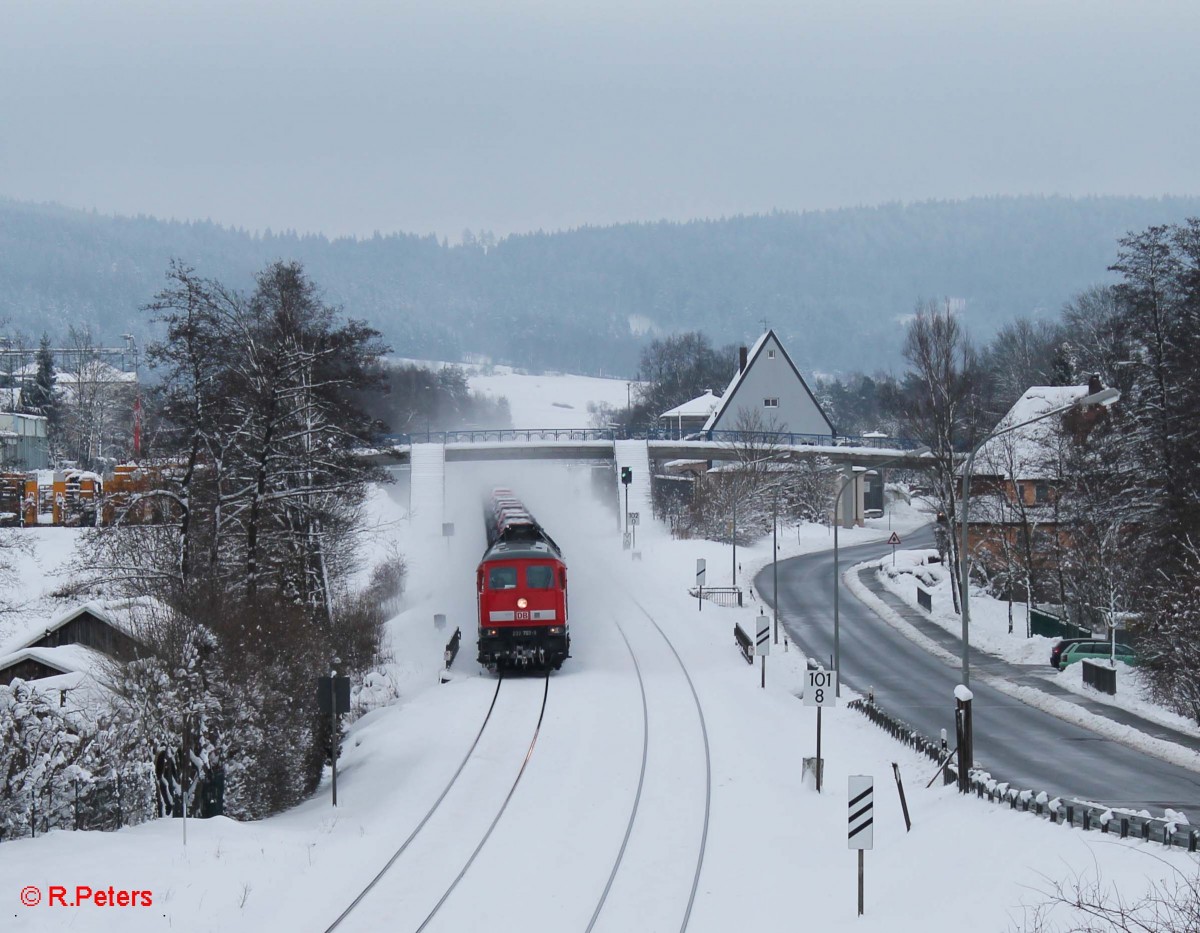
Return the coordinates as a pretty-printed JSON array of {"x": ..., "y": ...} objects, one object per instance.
[{"x": 522, "y": 615}]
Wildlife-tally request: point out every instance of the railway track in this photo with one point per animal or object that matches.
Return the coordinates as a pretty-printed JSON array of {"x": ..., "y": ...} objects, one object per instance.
[
  {"x": 703, "y": 842},
  {"x": 403, "y": 847}
]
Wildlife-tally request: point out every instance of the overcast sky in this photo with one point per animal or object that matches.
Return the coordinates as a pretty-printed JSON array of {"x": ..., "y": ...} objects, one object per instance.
[{"x": 353, "y": 116}]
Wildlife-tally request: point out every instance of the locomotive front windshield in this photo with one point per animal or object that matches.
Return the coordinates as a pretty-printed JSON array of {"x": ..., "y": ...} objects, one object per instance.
[
  {"x": 539, "y": 578},
  {"x": 502, "y": 578}
]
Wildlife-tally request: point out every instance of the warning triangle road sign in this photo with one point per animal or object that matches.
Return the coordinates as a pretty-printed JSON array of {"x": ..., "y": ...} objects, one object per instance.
[{"x": 894, "y": 539}]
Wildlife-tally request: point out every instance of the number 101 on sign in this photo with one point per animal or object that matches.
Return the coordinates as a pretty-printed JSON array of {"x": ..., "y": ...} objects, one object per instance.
[{"x": 820, "y": 688}]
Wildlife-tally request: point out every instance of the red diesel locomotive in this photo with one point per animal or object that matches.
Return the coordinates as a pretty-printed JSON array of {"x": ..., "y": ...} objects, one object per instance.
[{"x": 522, "y": 591}]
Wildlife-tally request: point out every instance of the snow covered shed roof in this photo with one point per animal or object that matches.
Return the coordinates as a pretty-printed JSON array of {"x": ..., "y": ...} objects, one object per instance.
[
  {"x": 40, "y": 663},
  {"x": 107, "y": 627},
  {"x": 1028, "y": 452},
  {"x": 702, "y": 406}
]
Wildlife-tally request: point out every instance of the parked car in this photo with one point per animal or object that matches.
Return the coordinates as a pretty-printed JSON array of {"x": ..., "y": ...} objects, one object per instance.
[
  {"x": 1060, "y": 647},
  {"x": 1096, "y": 651}
]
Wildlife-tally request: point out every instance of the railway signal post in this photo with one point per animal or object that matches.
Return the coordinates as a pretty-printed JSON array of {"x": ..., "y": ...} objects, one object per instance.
[
  {"x": 626, "y": 479},
  {"x": 701, "y": 573},
  {"x": 333, "y": 698}
]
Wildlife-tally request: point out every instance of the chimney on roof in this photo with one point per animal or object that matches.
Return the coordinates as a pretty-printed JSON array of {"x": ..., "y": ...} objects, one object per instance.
[
  {"x": 1094, "y": 384},
  {"x": 742, "y": 359}
]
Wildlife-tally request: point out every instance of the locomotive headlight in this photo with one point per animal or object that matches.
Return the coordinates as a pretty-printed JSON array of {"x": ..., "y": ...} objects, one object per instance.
[{"x": 522, "y": 603}]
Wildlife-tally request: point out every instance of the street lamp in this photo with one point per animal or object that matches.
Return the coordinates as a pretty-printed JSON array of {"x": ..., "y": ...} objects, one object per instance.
[
  {"x": 1103, "y": 397},
  {"x": 837, "y": 575}
]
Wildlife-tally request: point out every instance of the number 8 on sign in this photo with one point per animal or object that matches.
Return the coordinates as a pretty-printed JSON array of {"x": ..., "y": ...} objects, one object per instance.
[{"x": 820, "y": 688}]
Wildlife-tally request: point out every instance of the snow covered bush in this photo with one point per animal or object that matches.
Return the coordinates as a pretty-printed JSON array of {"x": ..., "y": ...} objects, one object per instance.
[{"x": 62, "y": 769}]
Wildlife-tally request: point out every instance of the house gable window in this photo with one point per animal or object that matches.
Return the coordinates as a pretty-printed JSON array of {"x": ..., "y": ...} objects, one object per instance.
[
  {"x": 770, "y": 354},
  {"x": 770, "y": 403}
]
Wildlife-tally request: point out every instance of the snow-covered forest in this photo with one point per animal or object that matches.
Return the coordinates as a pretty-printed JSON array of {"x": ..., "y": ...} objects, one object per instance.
[{"x": 590, "y": 300}]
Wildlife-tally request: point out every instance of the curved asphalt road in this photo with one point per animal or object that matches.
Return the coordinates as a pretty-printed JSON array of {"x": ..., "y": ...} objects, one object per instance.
[{"x": 1013, "y": 741}]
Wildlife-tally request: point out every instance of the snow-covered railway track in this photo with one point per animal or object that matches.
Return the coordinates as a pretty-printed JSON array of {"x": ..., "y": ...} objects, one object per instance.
[
  {"x": 437, "y": 804},
  {"x": 637, "y": 799},
  {"x": 499, "y": 813}
]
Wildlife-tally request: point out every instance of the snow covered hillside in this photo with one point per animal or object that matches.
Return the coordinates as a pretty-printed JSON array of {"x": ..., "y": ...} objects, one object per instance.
[{"x": 551, "y": 401}]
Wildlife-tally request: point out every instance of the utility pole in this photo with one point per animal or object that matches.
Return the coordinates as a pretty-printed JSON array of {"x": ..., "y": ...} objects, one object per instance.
[{"x": 775, "y": 562}]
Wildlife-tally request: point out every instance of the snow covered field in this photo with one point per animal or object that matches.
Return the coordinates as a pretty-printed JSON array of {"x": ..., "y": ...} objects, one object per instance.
[
  {"x": 551, "y": 401},
  {"x": 774, "y": 855}
]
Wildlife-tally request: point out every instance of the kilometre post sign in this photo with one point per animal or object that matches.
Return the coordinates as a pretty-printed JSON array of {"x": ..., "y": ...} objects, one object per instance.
[{"x": 820, "y": 688}]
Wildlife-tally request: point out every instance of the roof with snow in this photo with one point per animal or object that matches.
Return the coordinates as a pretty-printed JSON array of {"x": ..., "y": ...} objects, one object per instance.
[
  {"x": 66, "y": 659},
  {"x": 1028, "y": 452},
  {"x": 770, "y": 375},
  {"x": 120, "y": 615},
  {"x": 702, "y": 406}
]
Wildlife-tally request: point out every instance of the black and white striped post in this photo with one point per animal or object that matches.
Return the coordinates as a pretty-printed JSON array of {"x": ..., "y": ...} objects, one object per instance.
[
  {"x": 860, "y": 795},
  {"x": 762, "y": 644}
]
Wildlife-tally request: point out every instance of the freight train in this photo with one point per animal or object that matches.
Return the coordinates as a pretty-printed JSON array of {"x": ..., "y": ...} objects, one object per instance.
[{"x": 521, "y": 585}]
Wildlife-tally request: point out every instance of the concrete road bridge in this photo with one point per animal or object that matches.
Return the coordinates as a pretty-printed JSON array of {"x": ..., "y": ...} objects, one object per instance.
[
  {"x": 425, "y": 456},
  {"x": 602, "y": 444}
]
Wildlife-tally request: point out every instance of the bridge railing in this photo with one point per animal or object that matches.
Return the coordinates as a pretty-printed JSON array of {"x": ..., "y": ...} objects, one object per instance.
[
  {"x": 756, "y": 438},
  {"x": 644, "y": 433},
  {"x": 782, "y": 439},
  {"x": 496, "y": 435}
]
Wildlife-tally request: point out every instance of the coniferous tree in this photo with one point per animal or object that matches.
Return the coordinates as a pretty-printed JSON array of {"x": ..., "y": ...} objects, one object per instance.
[{"x": 38, "y": 396}]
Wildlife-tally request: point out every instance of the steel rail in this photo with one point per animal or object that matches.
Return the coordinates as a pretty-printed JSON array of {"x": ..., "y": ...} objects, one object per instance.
[
  {"x": 707, "y": 766},
  {"x": 637, "y": 797},
  {"x": 504, "y": 806},
  {"x": 425, "y": 819}
]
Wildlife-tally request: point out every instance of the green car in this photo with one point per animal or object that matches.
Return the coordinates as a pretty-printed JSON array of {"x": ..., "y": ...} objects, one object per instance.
[{"x": 1096, "y": 651}]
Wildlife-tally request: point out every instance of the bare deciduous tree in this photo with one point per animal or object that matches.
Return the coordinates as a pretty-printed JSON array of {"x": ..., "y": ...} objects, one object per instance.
[{"x": 940, "y": 403}]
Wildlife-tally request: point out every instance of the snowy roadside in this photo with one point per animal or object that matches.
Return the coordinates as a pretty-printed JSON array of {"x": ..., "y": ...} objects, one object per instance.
[
  {"x": 989, "y": 632},
  {"x": 989, "y": 617},
  {"x": 1063, "y": 709},
  {"x": 809, "y": 538}
]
